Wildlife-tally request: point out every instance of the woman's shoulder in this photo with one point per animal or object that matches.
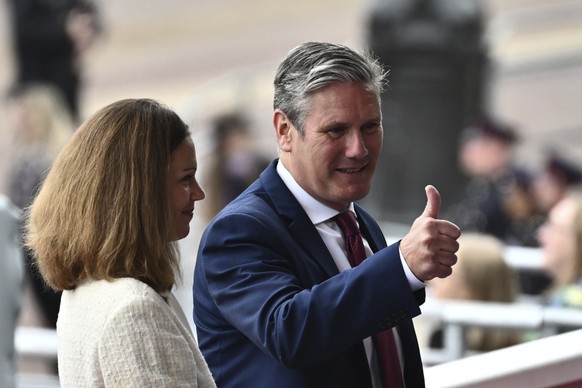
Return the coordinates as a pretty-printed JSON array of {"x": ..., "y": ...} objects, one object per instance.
[
  {"x": 113, "y": 293},
  {"x": 113, "y": 284},
  {"x": 116, "y": 304},
  {"x": 131, "y": 285},
  {"x": 567, "y": 296}
]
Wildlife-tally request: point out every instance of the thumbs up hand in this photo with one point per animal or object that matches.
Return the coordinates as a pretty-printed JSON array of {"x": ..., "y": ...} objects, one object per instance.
[
  {"x": 433, "y": 202},
  {"x": 430, "y": 246}
]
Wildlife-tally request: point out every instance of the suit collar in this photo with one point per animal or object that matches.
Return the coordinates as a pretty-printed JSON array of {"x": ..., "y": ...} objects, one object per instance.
[
  {"x": 316, "y": 211},
  {"x": 287, "y": 206},
  {"x": 283, "y": 201},
  {"x": 300, "y": 226},
  {"x": 370, "y": 229}
]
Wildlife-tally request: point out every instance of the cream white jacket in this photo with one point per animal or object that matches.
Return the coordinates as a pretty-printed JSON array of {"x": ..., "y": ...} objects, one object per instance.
[{"x": 124, "y": 334}]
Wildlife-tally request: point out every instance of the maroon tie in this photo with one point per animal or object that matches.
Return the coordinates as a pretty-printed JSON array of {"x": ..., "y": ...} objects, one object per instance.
[{"x": 384, "y": 343}]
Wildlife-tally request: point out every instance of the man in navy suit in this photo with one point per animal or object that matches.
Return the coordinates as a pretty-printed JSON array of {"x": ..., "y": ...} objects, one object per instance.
[{"x": 276, "y": 302}]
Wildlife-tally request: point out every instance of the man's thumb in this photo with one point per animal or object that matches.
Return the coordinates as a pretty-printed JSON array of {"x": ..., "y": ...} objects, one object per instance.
[{"x": 433, "y": 202}]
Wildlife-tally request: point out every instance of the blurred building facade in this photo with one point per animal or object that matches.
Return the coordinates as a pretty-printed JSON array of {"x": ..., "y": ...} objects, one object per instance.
[{"x": 437, "y": 60}]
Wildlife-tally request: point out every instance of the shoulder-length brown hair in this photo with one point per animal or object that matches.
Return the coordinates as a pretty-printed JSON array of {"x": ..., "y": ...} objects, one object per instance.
[
  {"x": 488, "y": 277},
  {"x": 103, "y": 210}
]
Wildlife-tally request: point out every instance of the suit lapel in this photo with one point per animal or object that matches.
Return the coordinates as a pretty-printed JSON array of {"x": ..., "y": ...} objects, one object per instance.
[
  {"x": 300, "y": 226},
  {"x": 307, "y": 236},
  {"x": 370, "y": 230}
]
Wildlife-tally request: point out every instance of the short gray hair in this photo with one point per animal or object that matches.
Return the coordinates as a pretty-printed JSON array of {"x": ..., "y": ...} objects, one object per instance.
[{"x": 313, "y": 66}]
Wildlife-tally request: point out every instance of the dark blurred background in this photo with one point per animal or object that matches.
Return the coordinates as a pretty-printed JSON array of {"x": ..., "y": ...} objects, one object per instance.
[
  {"x": 450, "y": 61},
  {"x": 520, "y": 60}
]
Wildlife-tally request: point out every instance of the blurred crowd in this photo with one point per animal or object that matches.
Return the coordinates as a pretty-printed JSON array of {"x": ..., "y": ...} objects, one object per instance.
[
  {"x": 42, "y": 106},
  {"x": 49, "y": 41},
  {"x": 505, "y": 204}
]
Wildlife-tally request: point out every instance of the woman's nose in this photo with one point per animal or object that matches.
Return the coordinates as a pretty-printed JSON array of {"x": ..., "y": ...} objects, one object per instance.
[{"x": 197, "y": 193}]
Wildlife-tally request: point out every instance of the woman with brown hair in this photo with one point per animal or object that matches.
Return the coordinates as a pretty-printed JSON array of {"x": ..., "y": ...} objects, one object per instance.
[
  {"x": 103, "y": 229},
  {"x": 561, "y": 240},
  {"x": 481, "y": 274}
]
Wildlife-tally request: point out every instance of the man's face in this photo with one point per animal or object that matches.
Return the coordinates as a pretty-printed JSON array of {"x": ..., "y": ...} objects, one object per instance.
[{"x": 336, "y": 158}]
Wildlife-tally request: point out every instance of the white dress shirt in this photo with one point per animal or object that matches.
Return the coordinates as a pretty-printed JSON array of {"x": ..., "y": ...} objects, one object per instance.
[{"x": 321, "y": 217}]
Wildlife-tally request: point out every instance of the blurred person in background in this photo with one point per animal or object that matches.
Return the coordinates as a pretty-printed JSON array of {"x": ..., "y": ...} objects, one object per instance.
[
  {"x": 486, "y": 155},
  {"x": 481, "y": 274},
  {"x": 526, "y": 217},
  {"x": 236, "y": 162},
  {"x": 11, "y": 289},
  {"x": 558, "y": 175},
  {"x": 561, "y": 240},
  {"x": 51, "y": 39},
  {"x": 40, "y": 125},
  {"x": 499, "y": 199},
  {"x": 524, "y": 213},
  {"x": 126, "y": 188}
]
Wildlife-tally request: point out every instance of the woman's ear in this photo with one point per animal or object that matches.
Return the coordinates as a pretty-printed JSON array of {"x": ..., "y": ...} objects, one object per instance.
[{"x": 284, "y": 130}]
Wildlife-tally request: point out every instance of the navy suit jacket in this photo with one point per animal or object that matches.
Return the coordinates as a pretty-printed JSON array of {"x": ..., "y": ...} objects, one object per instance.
[{"x": 272, "y": 310}]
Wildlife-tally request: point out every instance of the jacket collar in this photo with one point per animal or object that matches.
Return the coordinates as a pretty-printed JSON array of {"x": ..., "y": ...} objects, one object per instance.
[{"x": 300, "y": 226}]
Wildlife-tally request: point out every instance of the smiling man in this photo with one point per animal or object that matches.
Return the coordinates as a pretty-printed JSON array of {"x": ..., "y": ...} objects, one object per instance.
[{"x": 282, "y": 294}]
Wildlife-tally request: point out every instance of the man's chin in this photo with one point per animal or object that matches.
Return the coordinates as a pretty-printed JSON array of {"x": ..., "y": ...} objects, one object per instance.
[{"x": 358, "y": 193}]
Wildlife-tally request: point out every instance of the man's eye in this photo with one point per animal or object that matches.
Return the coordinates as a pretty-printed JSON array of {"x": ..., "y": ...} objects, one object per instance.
[
  {"x": 371, "y": 128},
  {"x": 336, "y": 131}
]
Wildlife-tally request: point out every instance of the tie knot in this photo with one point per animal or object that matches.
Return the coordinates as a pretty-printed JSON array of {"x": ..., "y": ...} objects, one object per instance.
[{"x": 347, "y": 223}]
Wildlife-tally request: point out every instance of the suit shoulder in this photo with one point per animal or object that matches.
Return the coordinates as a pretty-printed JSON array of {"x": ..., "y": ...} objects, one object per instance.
[{"x": 253, "y": 201}]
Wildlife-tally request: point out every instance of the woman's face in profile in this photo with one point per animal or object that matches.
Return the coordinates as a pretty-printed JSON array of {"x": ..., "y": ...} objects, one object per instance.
[
  {"x": 183, "y": 189},
  {"x": 557, "y": 237}
]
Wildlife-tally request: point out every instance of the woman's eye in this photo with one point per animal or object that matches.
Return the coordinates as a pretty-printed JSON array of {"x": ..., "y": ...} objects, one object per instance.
[{"x": 187, "y": 180}]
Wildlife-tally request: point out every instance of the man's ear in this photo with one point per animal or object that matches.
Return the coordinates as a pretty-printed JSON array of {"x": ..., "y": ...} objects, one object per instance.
[{"x": 284, "y": 130}]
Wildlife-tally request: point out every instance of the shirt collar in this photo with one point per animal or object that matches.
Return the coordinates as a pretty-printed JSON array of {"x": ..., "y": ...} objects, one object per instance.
[{"x": 316, "y": 211}]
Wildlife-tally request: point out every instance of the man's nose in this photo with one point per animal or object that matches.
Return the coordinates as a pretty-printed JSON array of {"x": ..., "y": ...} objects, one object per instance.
[{"x": 356, "y": 146}]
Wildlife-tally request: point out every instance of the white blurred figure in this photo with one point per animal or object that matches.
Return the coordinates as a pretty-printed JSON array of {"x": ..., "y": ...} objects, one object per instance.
[
  {"x": 39, "y": 127},
  {"x": 11, "y": 289}
]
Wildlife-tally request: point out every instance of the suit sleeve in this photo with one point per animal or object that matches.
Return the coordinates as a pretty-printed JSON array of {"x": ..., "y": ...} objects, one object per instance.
[{"x": 267, "y": 286}]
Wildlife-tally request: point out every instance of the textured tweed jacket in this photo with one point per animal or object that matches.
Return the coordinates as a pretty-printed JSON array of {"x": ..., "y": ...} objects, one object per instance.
[{"x": 124, "y": 334}]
